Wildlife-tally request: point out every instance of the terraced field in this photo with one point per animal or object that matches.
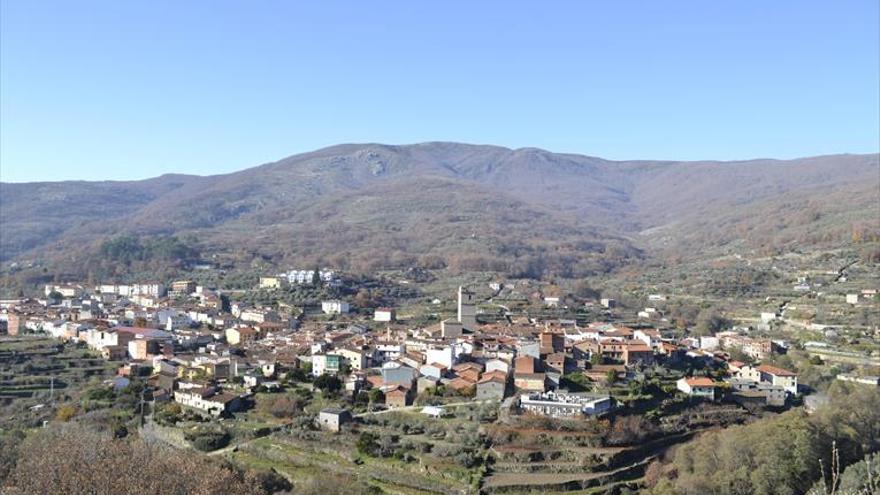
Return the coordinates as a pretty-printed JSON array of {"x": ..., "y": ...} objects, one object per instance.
[
  {"x": 304, "y": 461},
  {"x": 520, "y": 482},
  {"x": 526, "y": 469},
  {"x": 36, "y": 371},
  {"x": 521, "y": 469}
]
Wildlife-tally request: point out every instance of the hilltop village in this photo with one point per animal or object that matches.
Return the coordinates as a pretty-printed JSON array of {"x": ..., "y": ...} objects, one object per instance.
[
  {"x": 209, "y": 353},
  {"x": 217, "y": 371}
]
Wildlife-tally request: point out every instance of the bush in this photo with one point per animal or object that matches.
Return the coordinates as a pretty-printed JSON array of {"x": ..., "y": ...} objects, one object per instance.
[
  {"x": 206, "y": 441},
  {"x": 100, "y": 394},
  {"x": 367, "y": 444},
  {"x": 168, "y": 414},
  {"x": 467, "y": 458},
  {"x": 52, "y": 460},
  {"x": 65, "y": 413},
  {"x": 280, "y": 407}
]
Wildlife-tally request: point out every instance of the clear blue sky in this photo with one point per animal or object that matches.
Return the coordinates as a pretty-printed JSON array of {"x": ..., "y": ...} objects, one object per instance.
[{"x": 124, "y": 89}]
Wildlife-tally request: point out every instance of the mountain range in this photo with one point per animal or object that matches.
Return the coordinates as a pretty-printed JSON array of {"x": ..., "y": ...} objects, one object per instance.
[{"x": 525, "y": 211}]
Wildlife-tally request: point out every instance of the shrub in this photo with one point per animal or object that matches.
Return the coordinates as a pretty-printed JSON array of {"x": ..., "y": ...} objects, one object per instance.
[
  {"x": 207, "y": 441},
  {"x": 65, "y": 413},
  {"x": 51, "y": 460}
]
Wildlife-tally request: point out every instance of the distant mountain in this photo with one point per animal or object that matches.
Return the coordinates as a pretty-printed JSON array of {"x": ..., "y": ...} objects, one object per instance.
[{"x": 524, "y": 211}]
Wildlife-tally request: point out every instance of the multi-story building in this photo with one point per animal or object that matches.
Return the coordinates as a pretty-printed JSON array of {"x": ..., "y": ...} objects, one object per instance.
[
  {"x": 387, "y": 351},
  {"x": 335, "y": 306},
  {"x": 747, "y": 391},
  {"x": 326, "y": 364},
  {"x": 770, "y": 374},
  {"x": 356, "y": 359},
  {"x": 182, "y": 288},
  {"x": 299, "y": 277},
  {"x": 146, "y": 289},
  {"x": 565, "y": 405}
]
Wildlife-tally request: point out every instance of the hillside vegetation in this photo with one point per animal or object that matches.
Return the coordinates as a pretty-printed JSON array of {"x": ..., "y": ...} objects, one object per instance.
[{"x": 526, "y": 212}]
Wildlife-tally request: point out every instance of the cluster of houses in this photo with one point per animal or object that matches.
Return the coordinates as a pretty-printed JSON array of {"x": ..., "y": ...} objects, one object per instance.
[
  {"x": 208, "y": 353},
  {"x": 762, "y": 385}
]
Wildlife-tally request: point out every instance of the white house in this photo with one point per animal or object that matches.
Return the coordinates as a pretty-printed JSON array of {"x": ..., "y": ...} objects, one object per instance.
[
  {"x": 388, "y": 351},
  {"x": 497, "y": 365},
  {"x": 649, "y": 336},
  {"x": 767, "y": 317},
  {"x": 697, "y": 386},
  {"x": 326, "y": 364},
  {"x": 355, "y": 358},
  {"x": 709, "y": 343},
  {"x": 259, "y": 315},
  {"x": 207, "y": 400},
  {"x": 433, "y": 370},
  {"x": 444, "y": 355},
  {"x": 335, "y": 306},
  {"x": 384, "y": 314}
]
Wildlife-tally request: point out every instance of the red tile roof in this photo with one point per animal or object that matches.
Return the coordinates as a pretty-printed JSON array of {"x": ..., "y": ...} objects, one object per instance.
[
  {"x": 469, "y": 375},
  {"x": 700, "y": 381},
  {"x": 496, "y": 376},
  {"x": 459, "y": 384}
]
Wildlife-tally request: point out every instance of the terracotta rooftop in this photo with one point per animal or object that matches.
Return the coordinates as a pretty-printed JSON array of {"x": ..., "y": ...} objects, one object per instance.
[{"x": 700, "y": 381}]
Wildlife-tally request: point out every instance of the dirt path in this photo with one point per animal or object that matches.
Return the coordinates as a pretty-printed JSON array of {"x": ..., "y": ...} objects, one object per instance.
[
  {"x": 414, "y": 408},
  {"x": 531, "y": 479}
]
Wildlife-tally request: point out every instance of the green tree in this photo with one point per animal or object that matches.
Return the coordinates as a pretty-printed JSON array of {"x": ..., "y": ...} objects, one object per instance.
[
  {"x": 367, "y": 444},
  {"x": 328, "y": 384},
  {"x": 610, "y": 378},
  {"x": 376, "y": 396},
  {"x": 781, "y": 454}
]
